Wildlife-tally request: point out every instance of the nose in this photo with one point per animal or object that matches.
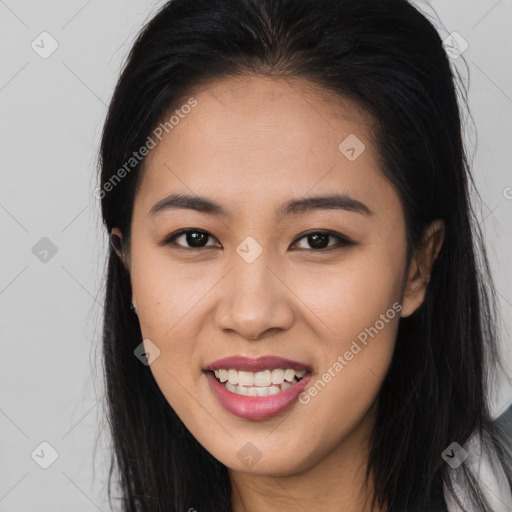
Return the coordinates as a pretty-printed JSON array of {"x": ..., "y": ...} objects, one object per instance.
[{"x": 254, "y": 302}]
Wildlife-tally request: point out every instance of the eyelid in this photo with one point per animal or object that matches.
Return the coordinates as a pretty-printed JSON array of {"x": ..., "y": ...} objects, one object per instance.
[
  {"x": 169, "y": 239},
  {"x": 343, "y": 240}
]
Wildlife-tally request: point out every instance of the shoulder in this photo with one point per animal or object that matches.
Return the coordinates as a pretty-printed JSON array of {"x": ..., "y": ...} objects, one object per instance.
[{"x": 504, "y": 423}]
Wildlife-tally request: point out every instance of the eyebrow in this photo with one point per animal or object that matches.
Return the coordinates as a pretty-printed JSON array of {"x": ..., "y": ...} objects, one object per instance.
[{"x": 292, "y": 207}]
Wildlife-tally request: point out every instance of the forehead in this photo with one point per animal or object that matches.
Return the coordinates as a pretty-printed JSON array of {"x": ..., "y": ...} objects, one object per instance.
[{"x": 262, "y": 138}]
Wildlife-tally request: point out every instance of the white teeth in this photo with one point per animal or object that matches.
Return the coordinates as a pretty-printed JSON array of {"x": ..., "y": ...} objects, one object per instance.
[
  {"x": 285, "y": 386},
  {"x": 277, "y": 376},
  {"x": 261, "y": 391},
  {"x": 263, "y": 383},
  {"x": 233, "y": 377},
  {"x": 289, "y": 375},
  {"x": 263, "y": 378},
  {"x": 241, "y": 390},
  {"x": 253, "y": 391},
  {"x": 246, "y": 378}
]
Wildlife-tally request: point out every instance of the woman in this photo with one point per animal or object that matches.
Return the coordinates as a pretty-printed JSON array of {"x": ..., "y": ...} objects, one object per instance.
[{"x": 298, "y": 303}]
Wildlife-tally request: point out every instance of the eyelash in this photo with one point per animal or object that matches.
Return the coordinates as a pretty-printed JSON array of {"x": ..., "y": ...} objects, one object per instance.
[{"x": 343, "y": 241}]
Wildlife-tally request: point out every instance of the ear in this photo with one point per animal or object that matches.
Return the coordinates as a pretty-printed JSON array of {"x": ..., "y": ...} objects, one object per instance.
[
  {"x": 420, "y": 267},
  {"x": 116, "y": 241}
]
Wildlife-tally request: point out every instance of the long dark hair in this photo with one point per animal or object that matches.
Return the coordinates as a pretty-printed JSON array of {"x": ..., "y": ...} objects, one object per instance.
[{"x": 388, "y": 57}]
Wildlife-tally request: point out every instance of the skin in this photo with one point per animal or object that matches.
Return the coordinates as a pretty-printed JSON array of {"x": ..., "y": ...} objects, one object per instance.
[{"x": 252, "y": 143}]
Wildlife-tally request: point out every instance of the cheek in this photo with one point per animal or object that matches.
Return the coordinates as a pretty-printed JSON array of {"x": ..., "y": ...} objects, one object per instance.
[
  {"x": 354, "y": 363},
  {"x": 339, "y": 398},
  {"x": 351, "y": 295},
  {"x": 357, "y": 312},
  {"x": 167, "y": 299},
  {"x": 357, "y": 321},
  {"x": 168, "y": 292}
]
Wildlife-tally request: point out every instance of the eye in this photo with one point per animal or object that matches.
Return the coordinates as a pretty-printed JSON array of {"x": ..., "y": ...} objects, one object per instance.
[
  {"x": 320, "y": 240},
  {"x": 196, "y": 238}
]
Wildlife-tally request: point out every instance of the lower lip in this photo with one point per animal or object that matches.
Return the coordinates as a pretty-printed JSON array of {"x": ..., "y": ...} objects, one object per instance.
[{"x": 256, "y": 407}]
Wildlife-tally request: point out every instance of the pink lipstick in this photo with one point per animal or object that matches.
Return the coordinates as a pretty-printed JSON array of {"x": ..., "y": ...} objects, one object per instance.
[{"x": 276, "y": 382}]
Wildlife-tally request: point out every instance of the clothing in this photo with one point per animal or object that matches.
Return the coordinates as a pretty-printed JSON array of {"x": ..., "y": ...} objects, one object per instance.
[{"x": 495, "y": 482}]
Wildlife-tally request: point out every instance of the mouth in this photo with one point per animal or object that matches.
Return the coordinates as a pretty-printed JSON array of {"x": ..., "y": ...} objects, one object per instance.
[
  {"x": 262, "y": 383},
  {"x": 257, "y": 389}
]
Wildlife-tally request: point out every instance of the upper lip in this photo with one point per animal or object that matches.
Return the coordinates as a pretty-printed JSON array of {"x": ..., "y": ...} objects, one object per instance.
[{"x": 256, "y": 365}]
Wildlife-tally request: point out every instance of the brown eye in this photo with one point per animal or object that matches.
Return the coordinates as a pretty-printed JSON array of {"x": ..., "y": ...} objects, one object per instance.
[
  {"x": 198, "y": 239},
  {"x": 319, "y": 240},
  {"x": 195, "y": 238}
]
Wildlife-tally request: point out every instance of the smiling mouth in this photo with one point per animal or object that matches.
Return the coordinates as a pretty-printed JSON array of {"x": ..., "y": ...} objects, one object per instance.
[{"x": 263, "y": 383}]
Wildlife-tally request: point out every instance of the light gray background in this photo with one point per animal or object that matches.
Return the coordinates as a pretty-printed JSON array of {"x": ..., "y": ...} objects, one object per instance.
[{"x": 52, "y": 112}]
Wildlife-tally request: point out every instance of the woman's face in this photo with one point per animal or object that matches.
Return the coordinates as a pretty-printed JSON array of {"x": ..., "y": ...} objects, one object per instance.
[{"x": 257, "y": 277}]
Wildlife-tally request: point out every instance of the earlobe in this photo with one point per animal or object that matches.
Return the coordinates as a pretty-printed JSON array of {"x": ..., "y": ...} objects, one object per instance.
[
  {"x": 421, "y": 266},
  {"x": 414, "y": 292}
]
